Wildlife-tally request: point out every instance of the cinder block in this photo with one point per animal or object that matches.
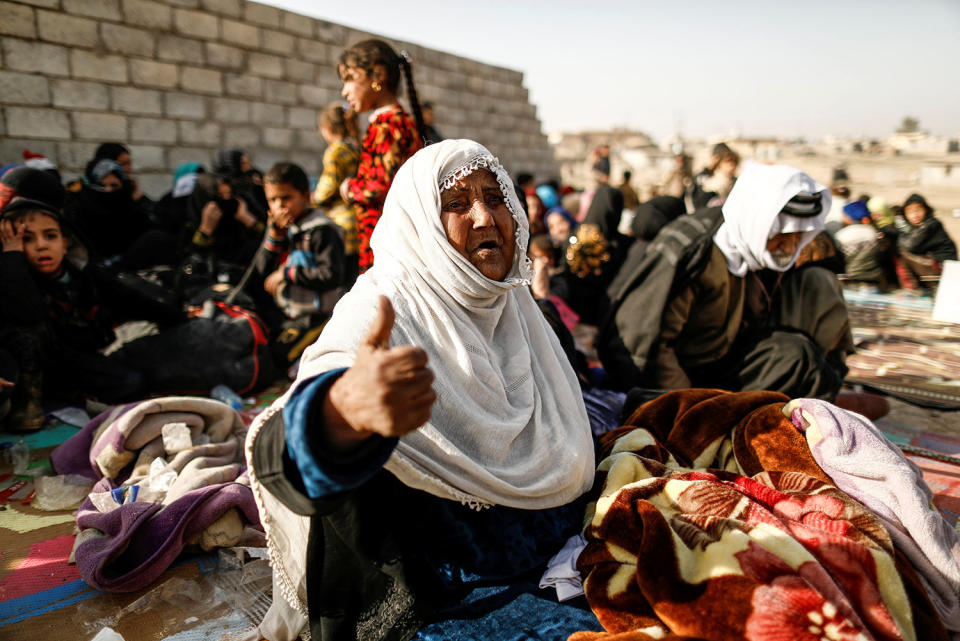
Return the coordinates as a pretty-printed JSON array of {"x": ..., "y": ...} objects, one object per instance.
[
  {"x": 147, "y": 73},
  {"x": 155, "y": 185},
  {"x": 98, "y": 66},
  {"x": 240, "y": 33},
  {"x": 278, "y": 138},
  {"x": 23, "y": 88},
  {"x": 153, "y": 130},
  {"x": 262, "y": 113},
  {"x": 300, "y": 70},
  {"x": 316, "y": 96},
  {"x": 225, "y": 7},
  {"x": 277, "y": 41},
  {"x": 264, "y": 64},
  {"x": 219, "y": 55},
  {"x": 199, "y": 133},
  {"x": 18, "y": 20},
  {"x": 176, "y": 49},
  {"x": 23, "y": 55},
  {"x": 279, "y": 91},
  {"x": 180, "y": 155},
  {"x": 311, "y": 140},
  {"x": 62, "y": 28},
  {"x": 196, "y": 23},
  {"x": 127, "y": 40},
  {"x": 186, "y": 4},
  {"x": 308, "y": 160},
  {"x": 99, "y": 126},
  {"x": 147, "y": 158},
  {"x": 103, "y": 9},
  {"x": 261, "y": 14},
  {"x": 329, "y": 32},
  {"x": 243, "y": 85},
  {"x": 136, "y": 101},
  {"x": 314, "y": 50},
  {"x": 301, "y": 118},
  {"x": 242, "y": 137},
  {"x": 146, "y": 13},
  {"x": 77, "y": 94},
  {"x": 229, "y": 110},
  {"x": 37, "y": 122},
  {"x": 184, "y": 105},
  {"x": 201, "y": 80},
  {"x": 74, "y": 154},
  {"x": 295, "y": 23}
]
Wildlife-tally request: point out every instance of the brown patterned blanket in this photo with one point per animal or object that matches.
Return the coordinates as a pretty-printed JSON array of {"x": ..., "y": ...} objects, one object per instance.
[{"x": 715, "y": 522}]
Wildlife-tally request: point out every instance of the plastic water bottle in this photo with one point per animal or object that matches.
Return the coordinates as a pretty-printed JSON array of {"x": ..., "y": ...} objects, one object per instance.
[{"x": 227, "y": 396}]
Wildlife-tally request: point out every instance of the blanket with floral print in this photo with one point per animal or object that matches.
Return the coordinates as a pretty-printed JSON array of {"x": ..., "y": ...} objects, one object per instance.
[{"x": 713, "y": 521}]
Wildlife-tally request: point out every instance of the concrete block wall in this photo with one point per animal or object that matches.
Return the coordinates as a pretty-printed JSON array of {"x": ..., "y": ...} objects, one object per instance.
[{"x": 178, "y": 79}]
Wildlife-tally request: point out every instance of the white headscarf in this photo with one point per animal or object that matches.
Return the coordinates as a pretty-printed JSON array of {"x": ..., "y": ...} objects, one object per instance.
[
  {"x": 752, "y": 215},
  {"x": 509, "y": 425}
]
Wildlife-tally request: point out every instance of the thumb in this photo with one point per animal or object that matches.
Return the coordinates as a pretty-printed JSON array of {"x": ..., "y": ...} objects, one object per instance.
[{"x": 378, "y": 336}]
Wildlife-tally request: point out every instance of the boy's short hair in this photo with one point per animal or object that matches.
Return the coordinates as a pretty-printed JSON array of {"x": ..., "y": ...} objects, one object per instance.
[{"x": 288, "y": 173}]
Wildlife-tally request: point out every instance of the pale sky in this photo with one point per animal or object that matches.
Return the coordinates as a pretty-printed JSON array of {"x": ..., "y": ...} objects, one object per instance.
[{"x": 757, "y": 67}]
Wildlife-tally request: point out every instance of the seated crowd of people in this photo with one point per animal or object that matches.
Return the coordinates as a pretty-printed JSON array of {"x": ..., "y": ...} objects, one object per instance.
[{"x": 83, "y": 258}]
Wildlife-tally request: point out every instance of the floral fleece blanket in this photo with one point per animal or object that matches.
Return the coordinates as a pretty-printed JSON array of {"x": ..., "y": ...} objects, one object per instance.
[{"x": 714, "y": 521}]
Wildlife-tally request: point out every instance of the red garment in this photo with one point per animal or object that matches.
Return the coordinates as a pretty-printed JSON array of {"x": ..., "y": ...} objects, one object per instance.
[{"x": 391, "y": 138}]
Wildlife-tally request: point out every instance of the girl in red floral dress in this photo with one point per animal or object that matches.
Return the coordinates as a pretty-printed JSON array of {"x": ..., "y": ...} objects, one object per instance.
[{"x": 370, "y": 71}]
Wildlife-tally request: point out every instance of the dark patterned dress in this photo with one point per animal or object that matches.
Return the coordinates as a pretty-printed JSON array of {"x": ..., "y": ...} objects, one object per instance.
[{"x": 391, "y": 139}]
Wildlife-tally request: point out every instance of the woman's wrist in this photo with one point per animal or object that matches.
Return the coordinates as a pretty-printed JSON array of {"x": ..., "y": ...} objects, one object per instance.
[{"x": 337, "y": 431}]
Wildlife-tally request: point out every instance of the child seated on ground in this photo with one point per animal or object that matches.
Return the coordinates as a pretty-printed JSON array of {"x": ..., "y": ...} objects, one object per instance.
[
  {"x": 79, "y": 308},
  {"x": 922, "y": 243},
  {"x": 298, "y": 271}
]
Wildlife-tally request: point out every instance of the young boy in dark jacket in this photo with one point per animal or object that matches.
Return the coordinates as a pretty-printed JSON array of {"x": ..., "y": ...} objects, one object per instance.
[
  {"x": 299, "y": 269},
  {"x": 77, "y": 308}
]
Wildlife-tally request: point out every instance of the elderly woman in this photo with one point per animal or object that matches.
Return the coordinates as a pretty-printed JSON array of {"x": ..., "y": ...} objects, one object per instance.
[{"x": 435, "y": 442}]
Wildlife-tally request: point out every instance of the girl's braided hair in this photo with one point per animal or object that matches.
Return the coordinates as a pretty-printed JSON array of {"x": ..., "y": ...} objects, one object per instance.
[{"x": 369, "y": 53}]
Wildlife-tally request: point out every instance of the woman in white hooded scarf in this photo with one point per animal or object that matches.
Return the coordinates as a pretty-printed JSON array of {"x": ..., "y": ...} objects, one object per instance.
[{"x": 436, "y": 438}]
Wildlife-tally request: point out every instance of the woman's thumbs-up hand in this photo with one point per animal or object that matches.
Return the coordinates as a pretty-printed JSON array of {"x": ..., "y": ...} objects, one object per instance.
[{"x": 388, "y": 390}]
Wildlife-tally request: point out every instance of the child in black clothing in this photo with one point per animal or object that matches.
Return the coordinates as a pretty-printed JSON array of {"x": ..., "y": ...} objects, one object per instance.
[
  {"x": 76, "y": 309},
  {"x": 299, "y": 269}
]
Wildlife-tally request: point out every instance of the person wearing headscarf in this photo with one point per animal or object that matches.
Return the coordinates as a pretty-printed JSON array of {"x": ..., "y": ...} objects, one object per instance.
[
  {"x": 922, "y": 243},
  {"x": 435, "y": 440},
  {"x": 716, "y": 301},
  {"x": 112, "y": 223},
  {"x": 862, "y": 244},
  {"x": 246, "y": 181}
]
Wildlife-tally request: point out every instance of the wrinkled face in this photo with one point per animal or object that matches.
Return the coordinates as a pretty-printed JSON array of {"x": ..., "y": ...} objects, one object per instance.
[
  {"x": 915, "y": 213},
  {"x": 478, "y": 223},
  {"x": 783, "y": 246},
  {"x": 559, "y": 228},
  {"x": 358, "y": 88},
  {"x": 285, "y": 201},
  {"x": 43, "y": 244},
  {"x": 111, "y": 182}
]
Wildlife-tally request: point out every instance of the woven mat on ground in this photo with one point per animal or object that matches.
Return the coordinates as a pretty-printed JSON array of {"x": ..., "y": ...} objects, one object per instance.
[
  {"x": 901, "y": 351},
  {"x": 203, "y": 596}
]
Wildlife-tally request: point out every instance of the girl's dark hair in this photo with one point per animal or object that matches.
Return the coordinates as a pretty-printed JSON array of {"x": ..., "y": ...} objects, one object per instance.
[
  {"x": 369, "y": 53},
  {"x": 338, "y": 120}
]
